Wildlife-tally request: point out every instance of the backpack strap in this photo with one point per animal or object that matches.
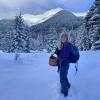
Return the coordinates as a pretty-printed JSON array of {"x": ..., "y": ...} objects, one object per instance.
[{"x": 76, "y": 66}]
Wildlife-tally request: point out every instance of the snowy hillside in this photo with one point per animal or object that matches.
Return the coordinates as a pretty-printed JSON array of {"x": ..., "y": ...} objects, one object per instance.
[
  {"x": 80, "y": 14},
  {"x": 43, "y": 32},
  {"x": 30, "y": 19},
  {"x": 36, "y": 19},
  {"x": 31, "y": 78}
]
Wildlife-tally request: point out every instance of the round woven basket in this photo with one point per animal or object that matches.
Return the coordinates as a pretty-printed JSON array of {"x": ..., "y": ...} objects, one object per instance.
[{"x": 53, "y": 61}]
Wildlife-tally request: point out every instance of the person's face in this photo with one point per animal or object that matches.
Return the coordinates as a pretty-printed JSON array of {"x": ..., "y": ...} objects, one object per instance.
[{"x": 63, "y": 39}]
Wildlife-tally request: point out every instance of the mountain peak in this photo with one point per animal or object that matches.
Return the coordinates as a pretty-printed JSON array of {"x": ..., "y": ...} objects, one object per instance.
[{"x": 36, "y": 19}]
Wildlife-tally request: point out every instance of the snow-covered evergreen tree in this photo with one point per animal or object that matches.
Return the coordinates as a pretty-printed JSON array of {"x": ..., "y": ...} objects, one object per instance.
[
  {"x": 93, "y": 25},
  {"x": 27, "y": 39},
  {"x": 82, "y": 38},
  {"x": 72, "y": 36},
  {"x": 6, "y": 38},
  {"x": 19, "y": 36},
  {"x": 51, "y": 39}
]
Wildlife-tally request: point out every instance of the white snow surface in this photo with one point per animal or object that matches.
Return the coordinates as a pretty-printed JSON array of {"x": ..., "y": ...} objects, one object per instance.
[
  {"x": 36, "y": 19},
  {"x": 31, "y": 78},
  {"x": 80, "y": 14}
]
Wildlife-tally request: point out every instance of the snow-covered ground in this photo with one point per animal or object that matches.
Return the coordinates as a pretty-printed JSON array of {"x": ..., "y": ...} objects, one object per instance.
[{"x": 31, "y": 78}]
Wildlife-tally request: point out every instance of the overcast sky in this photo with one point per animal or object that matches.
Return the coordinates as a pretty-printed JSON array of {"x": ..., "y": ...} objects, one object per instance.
[{"x": 13, "y": 7}]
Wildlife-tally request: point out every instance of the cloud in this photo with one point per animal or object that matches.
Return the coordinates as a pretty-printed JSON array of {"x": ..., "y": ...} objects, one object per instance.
[
  {"x": 12, "y": 3},
  {"x": 76, "y": 5},
  {"x": 11, "y": 7},
  {"x": 21, "y": 3}
]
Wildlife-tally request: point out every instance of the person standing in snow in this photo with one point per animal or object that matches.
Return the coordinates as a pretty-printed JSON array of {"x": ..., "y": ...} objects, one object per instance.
[{"x": 63, "y": 52}]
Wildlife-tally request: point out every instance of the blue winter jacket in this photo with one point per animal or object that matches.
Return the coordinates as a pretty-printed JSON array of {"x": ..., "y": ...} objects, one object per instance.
[{"x": 64, "y": 53}]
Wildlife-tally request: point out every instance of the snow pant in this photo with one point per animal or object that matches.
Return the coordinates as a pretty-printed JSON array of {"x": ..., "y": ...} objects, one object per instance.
[{"x": 63, "y": 72}]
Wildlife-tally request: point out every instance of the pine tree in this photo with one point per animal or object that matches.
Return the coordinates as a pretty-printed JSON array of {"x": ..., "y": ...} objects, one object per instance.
[
  {"x": 85, "y": 41},
  {"x": 27, "y": 39},
  {"x": 93, "y": 25},
  {"x": 51, "y": 39},
  {"x": 19, "y": 37},
  {"x": 82, "y": 38},
  {"x": 6, "y": 38}
]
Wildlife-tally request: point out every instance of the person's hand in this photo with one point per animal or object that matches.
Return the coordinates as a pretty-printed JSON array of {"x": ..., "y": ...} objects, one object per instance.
[{"x": 59, "y": 49}]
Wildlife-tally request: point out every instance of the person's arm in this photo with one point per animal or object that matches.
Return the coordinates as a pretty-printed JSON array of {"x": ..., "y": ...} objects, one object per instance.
[{"x": 57, "y": 51}]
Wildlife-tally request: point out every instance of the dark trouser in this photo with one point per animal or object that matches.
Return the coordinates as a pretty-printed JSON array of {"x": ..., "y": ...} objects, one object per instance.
[{"x": 63, "y": 71}]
